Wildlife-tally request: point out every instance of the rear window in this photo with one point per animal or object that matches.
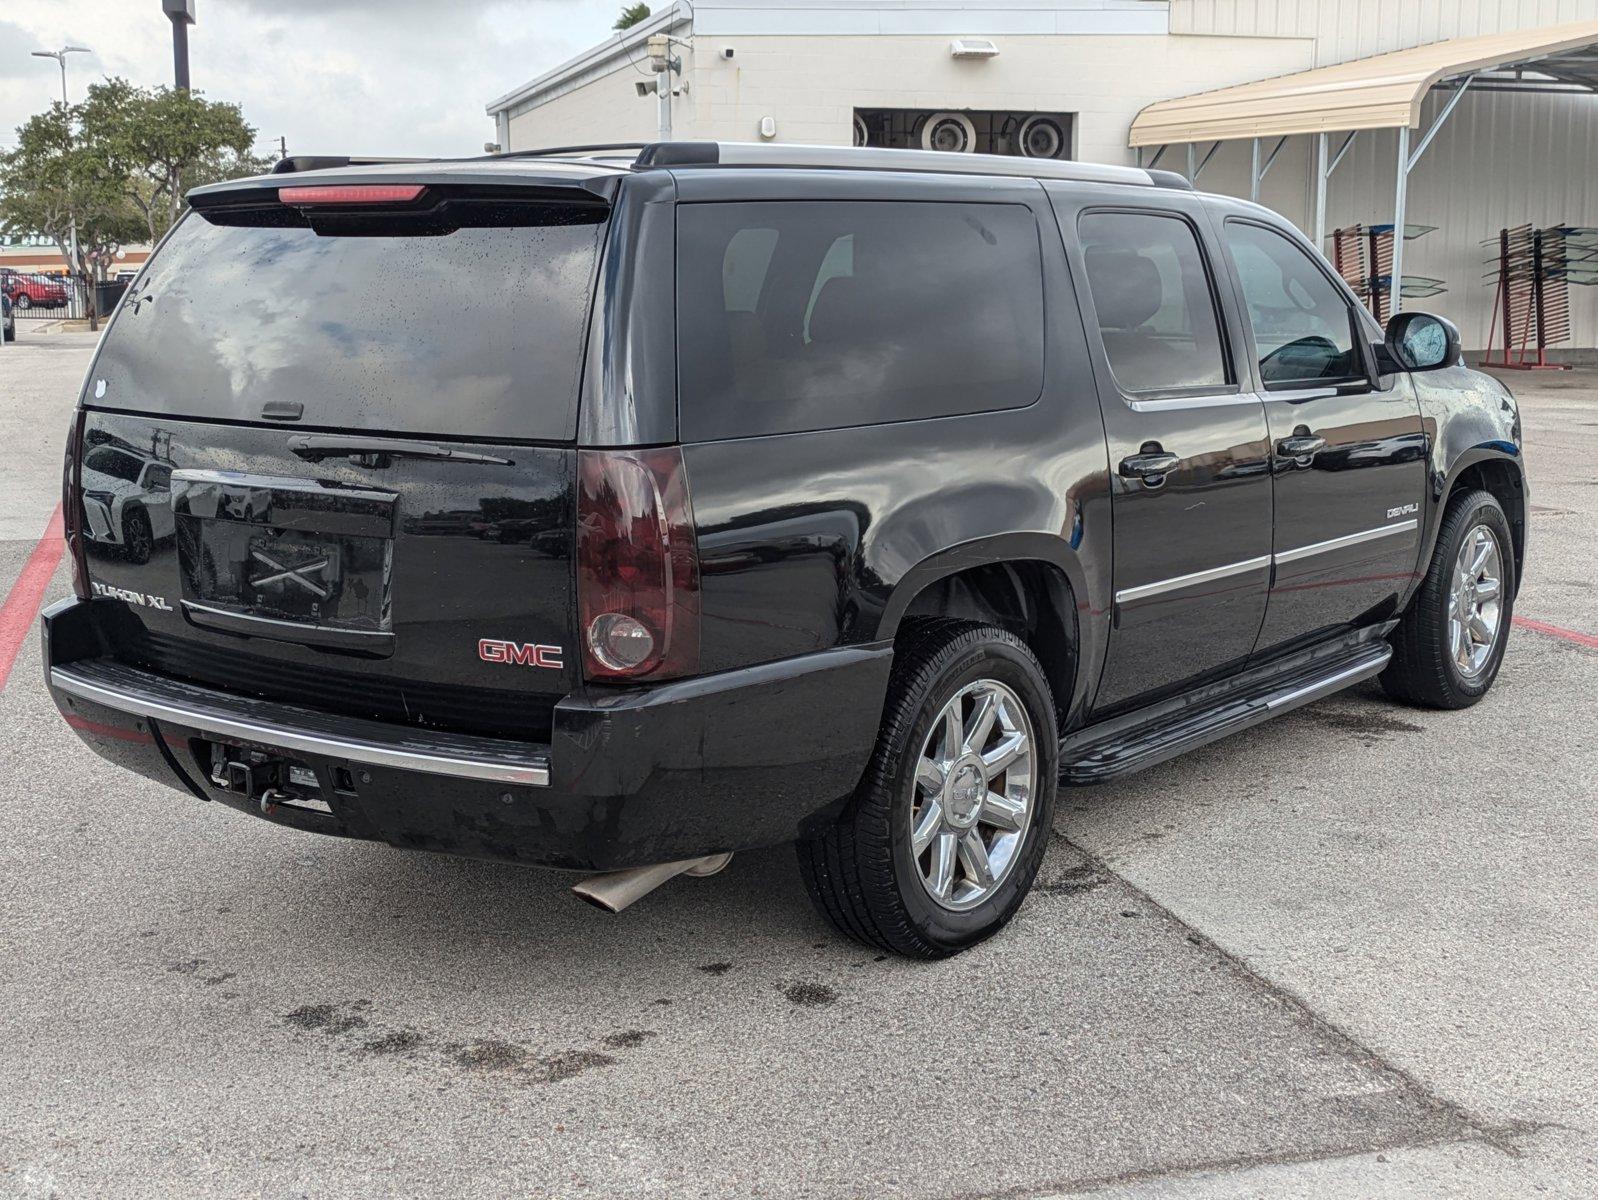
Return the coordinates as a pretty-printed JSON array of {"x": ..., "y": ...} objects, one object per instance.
[
  {"x": 826, "y": 314},
  {"x": 474, "y": 333}
]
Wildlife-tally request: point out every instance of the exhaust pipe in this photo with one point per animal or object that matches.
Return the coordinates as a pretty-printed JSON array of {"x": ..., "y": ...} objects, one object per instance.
[{"x": 615, "y": 890}]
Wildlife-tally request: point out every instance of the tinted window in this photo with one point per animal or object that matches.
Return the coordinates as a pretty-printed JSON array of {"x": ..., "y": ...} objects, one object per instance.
[
  {"x": 477, "y": 333},
  {"x": 823, "y": 314},
  {"x": 118, "y": 464},
  {"x": 1152, "y": 295},
  {"x": 1302, "y": 323}
]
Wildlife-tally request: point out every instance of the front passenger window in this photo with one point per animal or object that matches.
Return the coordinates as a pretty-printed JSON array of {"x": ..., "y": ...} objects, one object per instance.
[{"x": 1303, "y": 326}]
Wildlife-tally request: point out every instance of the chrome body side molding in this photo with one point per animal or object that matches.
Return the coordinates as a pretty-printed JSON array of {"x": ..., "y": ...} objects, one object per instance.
[
  {"x": 1176, "y": 583},
  {"x": 1352, "y": 539}
]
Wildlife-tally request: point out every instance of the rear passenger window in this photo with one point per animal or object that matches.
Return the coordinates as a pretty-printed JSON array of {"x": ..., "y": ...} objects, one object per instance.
[
  {"x": 1303, "y": 325},
  {"x": 826, "y": 314},
  {"x": 1152, "y": 295}
]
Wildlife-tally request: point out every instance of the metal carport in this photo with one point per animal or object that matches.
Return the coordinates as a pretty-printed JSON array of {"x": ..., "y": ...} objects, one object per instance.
[{"x": 1384, "y": 91}]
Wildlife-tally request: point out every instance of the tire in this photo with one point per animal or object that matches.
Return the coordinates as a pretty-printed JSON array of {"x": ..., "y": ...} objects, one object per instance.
[
  {"x": 22, "y": 301},
  {"x": 138, "y": 541},
  {"x": 1429, "y": 668},
  {"x": 864, "y": 873}
]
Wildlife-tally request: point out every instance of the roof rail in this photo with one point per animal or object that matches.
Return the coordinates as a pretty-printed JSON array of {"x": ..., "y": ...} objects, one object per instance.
[
  {"x": 550, "y": 151},
  {"x": 322, "y": 162},
  {"x": 873, "y": 158}
]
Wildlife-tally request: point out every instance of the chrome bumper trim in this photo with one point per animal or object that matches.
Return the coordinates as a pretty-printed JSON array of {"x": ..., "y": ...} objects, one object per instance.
[{"x": 442, "y": 759}]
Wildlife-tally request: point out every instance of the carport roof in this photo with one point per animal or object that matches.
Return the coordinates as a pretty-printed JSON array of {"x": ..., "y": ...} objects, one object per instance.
[{"x": 1381, "y": 92}]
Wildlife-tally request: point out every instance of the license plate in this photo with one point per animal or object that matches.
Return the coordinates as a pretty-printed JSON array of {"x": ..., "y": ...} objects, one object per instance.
[{"x": 285, "y": 551}]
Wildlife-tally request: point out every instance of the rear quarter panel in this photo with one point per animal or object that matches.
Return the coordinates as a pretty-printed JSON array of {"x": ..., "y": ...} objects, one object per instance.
[{"x": 813, "y": 540}]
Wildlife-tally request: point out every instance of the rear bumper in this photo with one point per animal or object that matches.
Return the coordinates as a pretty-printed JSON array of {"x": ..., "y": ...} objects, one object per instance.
[{"x": 731, "y": 761}]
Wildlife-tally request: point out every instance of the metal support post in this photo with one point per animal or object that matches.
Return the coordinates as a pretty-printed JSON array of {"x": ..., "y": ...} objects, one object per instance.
[
  {"x": 1395, "y": 287},
  {"x": 1321, "y": 172}
]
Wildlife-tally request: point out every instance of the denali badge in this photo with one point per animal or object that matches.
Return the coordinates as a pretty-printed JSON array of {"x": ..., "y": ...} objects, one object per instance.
[
  {"x": 140, "y": 598},
  {"x": 1401, "y": 510},
  {"x": 522, "y": 654}
]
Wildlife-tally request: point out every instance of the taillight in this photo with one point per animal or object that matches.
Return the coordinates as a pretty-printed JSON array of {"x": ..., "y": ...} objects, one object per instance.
[
  {"x": 351, "y": 193},
  {"x": 72, "y": 507},
  {"x": 637, "y": 565}
]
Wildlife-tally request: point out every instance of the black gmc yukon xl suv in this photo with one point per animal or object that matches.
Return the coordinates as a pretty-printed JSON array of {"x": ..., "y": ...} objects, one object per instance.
[{"x": 610, "y": 509}]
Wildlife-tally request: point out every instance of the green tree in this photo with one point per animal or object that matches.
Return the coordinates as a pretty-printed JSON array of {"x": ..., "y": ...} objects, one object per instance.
[
  {"x": 51, "y": 181},
  {"x": 630, "y": 16},
  {"x": 157, "y": 143}
]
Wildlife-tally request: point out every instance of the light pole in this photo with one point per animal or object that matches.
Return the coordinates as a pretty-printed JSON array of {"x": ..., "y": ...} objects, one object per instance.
[
  {"x": 61, "y": 58},
  {"x": 181, "y": 14}
]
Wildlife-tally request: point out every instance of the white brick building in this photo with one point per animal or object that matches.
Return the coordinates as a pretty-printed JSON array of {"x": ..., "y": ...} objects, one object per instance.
[{"x": 805, "y": 70}]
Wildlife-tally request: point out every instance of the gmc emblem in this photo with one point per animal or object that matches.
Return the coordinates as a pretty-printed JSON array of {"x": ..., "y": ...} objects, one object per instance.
[{"x": 522, "y": 654}]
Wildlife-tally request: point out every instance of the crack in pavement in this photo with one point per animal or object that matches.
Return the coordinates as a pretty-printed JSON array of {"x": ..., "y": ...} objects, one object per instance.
[{"x": 1463, "y": 1126}]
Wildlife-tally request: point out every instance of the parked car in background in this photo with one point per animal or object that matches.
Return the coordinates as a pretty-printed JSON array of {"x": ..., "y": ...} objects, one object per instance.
[
  {"x": 849, "y": 498},
  {"x": 32, "y": 291},
  {"x": 127, "y": 499}
]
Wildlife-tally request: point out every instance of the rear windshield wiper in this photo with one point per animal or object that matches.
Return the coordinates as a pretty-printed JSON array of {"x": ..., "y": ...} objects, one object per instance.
[{"x": 379, "y": 452}]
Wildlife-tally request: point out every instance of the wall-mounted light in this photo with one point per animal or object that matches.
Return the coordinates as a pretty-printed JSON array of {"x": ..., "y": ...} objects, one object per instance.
[
  {"x": 768, "y": 127},
  {"x": 972, "y": 48}
]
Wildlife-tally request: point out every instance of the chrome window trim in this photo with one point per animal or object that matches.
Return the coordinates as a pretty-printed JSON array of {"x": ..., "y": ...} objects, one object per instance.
[
  {"x": 1144, "y": 591},
  {"x": 1352, "y": 539},
  {"x": 533, "y": 772}
]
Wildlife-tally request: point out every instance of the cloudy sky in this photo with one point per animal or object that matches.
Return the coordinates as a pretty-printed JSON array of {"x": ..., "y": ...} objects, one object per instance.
[{"x": 368, "y": 76}]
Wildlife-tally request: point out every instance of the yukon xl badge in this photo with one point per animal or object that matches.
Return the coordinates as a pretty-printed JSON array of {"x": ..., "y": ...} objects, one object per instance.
[
  {"x": 521, "y": 654},
  {"x": 143, "y": 599}
]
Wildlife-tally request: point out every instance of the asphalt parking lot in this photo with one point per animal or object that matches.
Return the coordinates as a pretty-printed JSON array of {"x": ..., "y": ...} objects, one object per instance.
[{"x": 1350, "y": 953}]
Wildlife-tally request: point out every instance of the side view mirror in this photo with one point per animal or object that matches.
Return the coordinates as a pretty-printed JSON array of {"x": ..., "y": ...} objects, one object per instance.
[{"x": 1422, "y": 342}]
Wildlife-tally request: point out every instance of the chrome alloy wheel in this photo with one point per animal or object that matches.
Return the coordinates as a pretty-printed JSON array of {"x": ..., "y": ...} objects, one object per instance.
[
  {"x": 1475, "y": 606},
  {"x": 974, "y": 783}
]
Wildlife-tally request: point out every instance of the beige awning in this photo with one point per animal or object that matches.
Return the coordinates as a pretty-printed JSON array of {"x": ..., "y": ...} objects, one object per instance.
[{"x": 1381, "y": 92}]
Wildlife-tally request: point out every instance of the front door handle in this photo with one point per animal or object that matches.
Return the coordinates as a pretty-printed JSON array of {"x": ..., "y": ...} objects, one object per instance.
[
  {"x": 1302, "y": 446},
  {"x": 1151, "y": 465}
]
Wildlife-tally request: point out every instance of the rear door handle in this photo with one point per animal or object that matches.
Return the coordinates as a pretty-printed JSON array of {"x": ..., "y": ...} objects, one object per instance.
[
  {"x": 1302, "y": 446},
  {"x": 1151, "y": 466}
]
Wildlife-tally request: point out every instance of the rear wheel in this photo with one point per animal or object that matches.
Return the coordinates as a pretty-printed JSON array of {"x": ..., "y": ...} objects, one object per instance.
[
  {"x": 944, "y": 836},
  {"x": 22, "y": 301},
  {"x": 1449, "y": 645}
]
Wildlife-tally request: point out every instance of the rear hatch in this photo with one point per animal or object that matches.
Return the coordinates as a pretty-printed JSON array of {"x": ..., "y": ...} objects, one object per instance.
[{"x": 327, "y": 452}]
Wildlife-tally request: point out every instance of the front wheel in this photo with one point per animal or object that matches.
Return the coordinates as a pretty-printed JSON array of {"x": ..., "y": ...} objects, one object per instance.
[
  {"x": 1450, "y": 643},
  {"x": 945, "y": 834},
  {"x": 23, "y": 301}
]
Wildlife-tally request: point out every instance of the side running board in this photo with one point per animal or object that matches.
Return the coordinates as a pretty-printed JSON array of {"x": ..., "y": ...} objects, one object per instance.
[{"x": 1120, "y": 747}]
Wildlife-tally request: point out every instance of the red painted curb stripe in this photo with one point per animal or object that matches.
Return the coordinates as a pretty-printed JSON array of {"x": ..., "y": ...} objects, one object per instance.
[
  {"x": 22, "y": 603},
  {"x": 1570, "y": 635}
]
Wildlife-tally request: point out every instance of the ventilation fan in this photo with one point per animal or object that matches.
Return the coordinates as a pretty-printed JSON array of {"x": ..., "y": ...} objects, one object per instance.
[
  {"x": 1041, "y": 137},
  {"x": 950, "y": 132}
]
